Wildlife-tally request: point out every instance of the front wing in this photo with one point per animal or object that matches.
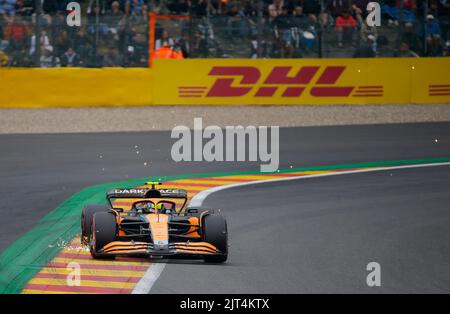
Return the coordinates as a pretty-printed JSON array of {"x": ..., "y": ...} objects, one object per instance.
[{"x": 181, "y": 249}]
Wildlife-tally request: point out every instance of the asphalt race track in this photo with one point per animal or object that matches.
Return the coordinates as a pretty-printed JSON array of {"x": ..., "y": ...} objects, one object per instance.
[
  {"x": 318, "y": 235},
  {"x": 313, "y": 235}
]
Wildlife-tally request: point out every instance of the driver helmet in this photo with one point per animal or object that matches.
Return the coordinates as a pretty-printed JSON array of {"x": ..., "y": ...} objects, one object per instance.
[
  {"x": 145, "y": 207},
  {"x": 160, "y": 206}
]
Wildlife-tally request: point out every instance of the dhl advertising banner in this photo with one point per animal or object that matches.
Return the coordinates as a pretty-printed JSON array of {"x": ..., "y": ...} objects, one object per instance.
[
  {"x": 302, "y": 81},
  {"x": 74, "y": 87},
  {"x": 233, "y": 82}
]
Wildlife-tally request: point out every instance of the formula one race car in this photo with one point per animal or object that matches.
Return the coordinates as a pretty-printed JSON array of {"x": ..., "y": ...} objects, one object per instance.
[{"x": 156, "y": 225}]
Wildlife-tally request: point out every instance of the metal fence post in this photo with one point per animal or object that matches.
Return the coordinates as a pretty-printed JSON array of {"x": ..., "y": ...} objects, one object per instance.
[
  {"x": 97, "y": 22},
  {"x": 320, "y": 17},
  {"x": 424, "y": 26},
  {"x": 37, "y": 32},
  {"x": 260, "y": 28}
]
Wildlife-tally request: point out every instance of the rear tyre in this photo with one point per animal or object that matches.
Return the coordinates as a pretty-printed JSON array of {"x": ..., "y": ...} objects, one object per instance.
[
  {"x": 215, "y": 232},
  {"x": 87, "y": 215},
  {"x": 104, "y": 231}
]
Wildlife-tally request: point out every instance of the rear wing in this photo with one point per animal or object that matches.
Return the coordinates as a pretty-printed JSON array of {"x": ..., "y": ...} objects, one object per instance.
[
  {"x": 147, "y": 193},
  {"x": 126, "y": 193}
]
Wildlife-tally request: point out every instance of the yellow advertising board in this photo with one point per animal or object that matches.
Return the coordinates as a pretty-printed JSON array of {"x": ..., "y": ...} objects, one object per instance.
[
  {"x": 302, "y": 81},
  {"x": 233, "y": 82},
  {"x": 74, "y": 87}
]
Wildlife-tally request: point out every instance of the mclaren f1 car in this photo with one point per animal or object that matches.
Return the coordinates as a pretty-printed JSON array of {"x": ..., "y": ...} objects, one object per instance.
[{"x": 156, "y": 224}]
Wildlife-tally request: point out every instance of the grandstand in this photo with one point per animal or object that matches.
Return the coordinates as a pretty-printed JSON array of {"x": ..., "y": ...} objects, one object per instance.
[{"x": 116, "y": 33}]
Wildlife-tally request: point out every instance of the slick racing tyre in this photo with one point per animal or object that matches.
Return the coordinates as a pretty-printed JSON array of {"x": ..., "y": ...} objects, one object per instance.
[
  {"x": 104, "y": 231},
  {"x": 87, "y": 214},
  {"x": 215, "y": 232}
]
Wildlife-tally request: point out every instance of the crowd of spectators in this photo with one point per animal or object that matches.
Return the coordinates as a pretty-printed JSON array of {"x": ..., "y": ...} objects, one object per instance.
[
  {"x": 117, "y": 36},
  {"x": 115, "y": 32}
]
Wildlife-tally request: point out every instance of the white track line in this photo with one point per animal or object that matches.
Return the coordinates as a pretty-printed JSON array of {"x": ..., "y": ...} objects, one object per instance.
[
  {"x": 148, "y": 280},
  {"x": 151, "y": 275},
  {"x": 198, "y": 199}
]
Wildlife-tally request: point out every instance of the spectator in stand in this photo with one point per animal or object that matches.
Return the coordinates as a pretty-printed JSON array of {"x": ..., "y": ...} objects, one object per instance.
[
  {"x": 405, "y": 52},
  {"x": 123, "y": 28},
  {"x": 8, "y": 7},
  {"x": 409, "y": 7},
  {"x": 2, "y": 24},
  {"x": 92, "y": 26},
  {"x": 313, "y": 9},
  {"x": 254, "y": 48},
  {"x": 235, "y": 21},
  {"x": 93, "y": 3},
  {"x": 17, "y": 32},
  {"x": 367, "y": 49},
  {"x": 299, "y": 19},
  {"x": 166, "y": 52},
  {"x": 114, "y": 16},
  {"x": 70, "y": 58},
  {"x": 283, "y": 33},
  {"x": 392, "y": 10},
  {"x": 136, "y": 7},
  {"x": 410, "y": 37},
  {"x": 312, "y": 28},
  {"x": 139, "y": 29},
  {"x": 359, "y": 8},
  {"x": 24, "y": 7},
  {"x": 109, "y": 23},
  {"x": 159, "y": 7},
  {"x": 250, "y": 16},
  {"x": 432, "y": 35},
  {"x": 441, "y": 10},
  {"x": 47, "y": 59},
  {"x": 337, "y": 8},
  {"x": 44, "y": 42},
  {"x": 345, "y": 28},
  {"x": 445, "y": 50},
  {"x": 104, "y": 5},
  {"x": 333, "y": 9},
  {"x": 112, "y": 57},
  {"x": 84, "y": 47},
  {"x": 304, "y": 29},
  {"x": 61, "y": 42},
  {"x": 165, "y": 40},
  {"x": 182, "y": 44},
  {"x": 4, "y": 59},
  {"x": 275, "y": 9}
]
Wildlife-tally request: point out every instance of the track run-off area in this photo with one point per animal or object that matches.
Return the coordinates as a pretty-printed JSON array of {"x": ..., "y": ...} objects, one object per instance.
[{"x": 39, "y": 262}]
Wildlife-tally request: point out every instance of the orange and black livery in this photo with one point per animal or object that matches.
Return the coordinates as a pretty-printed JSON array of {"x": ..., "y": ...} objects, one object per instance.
[{"x": 157, "y": 224}]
